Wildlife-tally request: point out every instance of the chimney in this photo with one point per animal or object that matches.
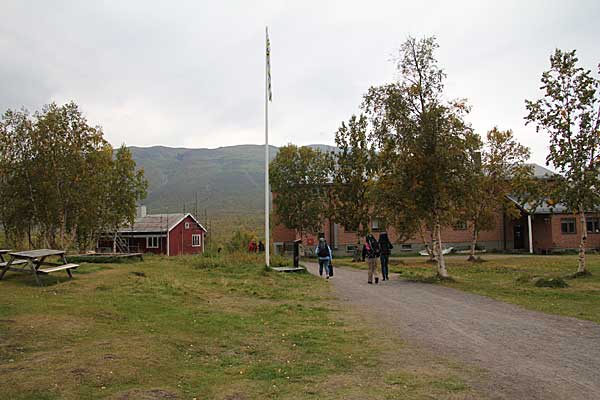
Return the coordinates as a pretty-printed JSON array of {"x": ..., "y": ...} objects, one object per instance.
[{"x": 140, "y": 211}]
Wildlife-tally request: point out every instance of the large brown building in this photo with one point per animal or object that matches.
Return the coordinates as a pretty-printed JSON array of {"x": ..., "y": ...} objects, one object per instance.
[{"x": 548, "y": 229}]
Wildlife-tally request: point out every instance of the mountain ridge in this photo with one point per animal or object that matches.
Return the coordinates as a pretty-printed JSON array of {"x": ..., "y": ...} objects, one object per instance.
[{"x": 227, "y": 180}]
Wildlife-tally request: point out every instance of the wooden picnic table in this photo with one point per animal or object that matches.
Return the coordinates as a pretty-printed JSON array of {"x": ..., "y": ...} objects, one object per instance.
[
  {"x": 33, "y": 261},
  {"x": 2, "y": 253}
]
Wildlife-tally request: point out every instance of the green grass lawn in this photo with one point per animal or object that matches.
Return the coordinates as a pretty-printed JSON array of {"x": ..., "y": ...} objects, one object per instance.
[
  {"x": 509, "y": 278},
  {"x": 204, "y": 328}
]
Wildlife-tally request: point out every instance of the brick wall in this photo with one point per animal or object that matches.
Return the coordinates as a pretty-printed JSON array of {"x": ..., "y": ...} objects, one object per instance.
[
  {"x": 492, "y": 239},
  {"x": 571, "y": 240}
]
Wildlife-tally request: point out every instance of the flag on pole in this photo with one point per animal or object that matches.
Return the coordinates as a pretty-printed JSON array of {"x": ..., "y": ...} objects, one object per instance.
[{"x": 269, "y": 66}]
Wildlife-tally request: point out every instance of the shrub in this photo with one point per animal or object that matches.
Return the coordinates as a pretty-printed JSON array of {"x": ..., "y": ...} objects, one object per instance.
[
  {"x": 239, "y": 241},
  {"x": 550, "y": 282}
]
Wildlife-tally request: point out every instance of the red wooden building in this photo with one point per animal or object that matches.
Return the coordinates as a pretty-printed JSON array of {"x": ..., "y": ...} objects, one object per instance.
[{"x": 168, "y": 234}]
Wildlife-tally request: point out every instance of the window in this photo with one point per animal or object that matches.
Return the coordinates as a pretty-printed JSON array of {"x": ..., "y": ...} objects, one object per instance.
[
  {"x": 196, "y": 240},
  {"x": 187, "y": 225},
  {"x": 375, "y": 225},
  {"x": 567, "y": 226},
  {"x": 350, "y": 248},
  {"x": 593, "y": 225},
  {"x": 460, "y": 226},
  {"x": 152, "y": 242}
]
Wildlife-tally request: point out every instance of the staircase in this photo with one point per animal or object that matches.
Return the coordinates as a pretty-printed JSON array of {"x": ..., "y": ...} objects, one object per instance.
[{"x": 121, "y": 245}]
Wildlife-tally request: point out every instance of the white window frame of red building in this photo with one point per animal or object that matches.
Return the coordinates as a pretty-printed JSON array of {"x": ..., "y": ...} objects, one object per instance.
[
  {"x": 199, "y": 236},
  {"x": 150, "y": 239}
]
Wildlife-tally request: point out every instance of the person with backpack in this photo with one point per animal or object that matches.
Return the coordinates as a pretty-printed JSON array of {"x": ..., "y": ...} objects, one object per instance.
[
  {"x": 323, "y": 252},
  {"x": 386, "y": 249},
  {"x": 372, "y": 253}
]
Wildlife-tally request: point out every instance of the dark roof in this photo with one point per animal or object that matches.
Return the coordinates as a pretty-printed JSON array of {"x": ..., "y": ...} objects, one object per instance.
[{"x": 158, "y": 223}]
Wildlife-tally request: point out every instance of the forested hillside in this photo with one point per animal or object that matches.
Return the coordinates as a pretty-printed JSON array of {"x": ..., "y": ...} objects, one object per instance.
[{"x": 228, "y": 182}]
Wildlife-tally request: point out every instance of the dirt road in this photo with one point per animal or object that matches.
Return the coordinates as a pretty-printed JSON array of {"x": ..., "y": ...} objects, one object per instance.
[{"x": 528, "y": 355}]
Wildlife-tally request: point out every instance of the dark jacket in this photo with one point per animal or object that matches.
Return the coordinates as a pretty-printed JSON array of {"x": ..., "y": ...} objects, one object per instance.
[
  {"x": 371, "y": 247},
  {"x": 384, "y": 244}
]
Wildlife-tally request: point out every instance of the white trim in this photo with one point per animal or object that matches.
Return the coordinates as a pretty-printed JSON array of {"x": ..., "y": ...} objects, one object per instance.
[
  {"x": 151, "y": 238},
  {"x": 199, "y": 240},
  {"x": 184, "y": 217},
  {"x": 530, "y": 233}
]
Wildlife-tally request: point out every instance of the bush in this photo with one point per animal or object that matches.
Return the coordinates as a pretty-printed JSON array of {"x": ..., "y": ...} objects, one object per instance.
[
  {"x": 239, "y": 241},
  {"x": 550, "y": 282}
]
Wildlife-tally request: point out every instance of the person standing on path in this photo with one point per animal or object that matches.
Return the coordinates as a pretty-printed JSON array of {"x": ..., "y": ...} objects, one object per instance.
[
  {"x": 386, "y": 248},
  {"x": 372, "y": 252},
  {"x": 323, "y": 252}
]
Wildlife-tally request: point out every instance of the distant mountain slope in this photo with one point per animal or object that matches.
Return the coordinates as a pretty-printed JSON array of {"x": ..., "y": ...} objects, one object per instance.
[{"x": 226, "y": 180}]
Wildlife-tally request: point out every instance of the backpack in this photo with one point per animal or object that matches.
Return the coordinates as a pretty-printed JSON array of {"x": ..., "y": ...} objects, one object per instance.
[
  {"x": 375, "y": 247},
  {"x": 323, "y": 251}
]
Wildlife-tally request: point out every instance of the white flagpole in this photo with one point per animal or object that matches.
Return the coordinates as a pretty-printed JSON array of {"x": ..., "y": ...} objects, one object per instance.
[{"x": 267, "y": 197}]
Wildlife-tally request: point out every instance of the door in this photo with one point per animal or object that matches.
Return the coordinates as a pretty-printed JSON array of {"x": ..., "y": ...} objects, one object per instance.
[{"x": 519, "y": 236}]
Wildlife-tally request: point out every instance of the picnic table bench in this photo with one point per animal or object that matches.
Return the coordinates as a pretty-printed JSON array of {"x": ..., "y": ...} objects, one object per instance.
[
  {"x": 3, "y": 261},
  {"x": 33, "y": 261}
]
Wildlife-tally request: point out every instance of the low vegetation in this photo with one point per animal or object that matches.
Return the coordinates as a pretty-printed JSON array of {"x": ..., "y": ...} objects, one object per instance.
[
  {"x": 542, "y": 283},
  {"x": 201, "y": 327}
]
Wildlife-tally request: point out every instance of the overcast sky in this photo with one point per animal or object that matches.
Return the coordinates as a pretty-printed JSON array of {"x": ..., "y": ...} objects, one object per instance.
[{"x": 191, "y": 74}]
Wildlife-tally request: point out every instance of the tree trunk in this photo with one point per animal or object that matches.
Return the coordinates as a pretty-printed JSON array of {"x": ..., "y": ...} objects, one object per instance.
[
  {"x": 115, "y": 244},
  {"x": 582, "y": 269},
  {"x": 433, "y": 252},
  {"x": 473, "y": 242},
  {"x": 357, "y": 255},
  {"x": 427, "y": 244},
  {"x": 29, "y": 237},
  {"x": 442, "y": 272}
]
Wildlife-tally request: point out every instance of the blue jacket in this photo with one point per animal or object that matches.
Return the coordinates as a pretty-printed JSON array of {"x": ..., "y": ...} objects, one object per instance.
[{"x": 323, "y": 258}]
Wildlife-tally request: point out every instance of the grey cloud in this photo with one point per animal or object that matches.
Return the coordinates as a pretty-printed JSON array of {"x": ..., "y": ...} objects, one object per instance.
[{"x": 191, "y": 73}]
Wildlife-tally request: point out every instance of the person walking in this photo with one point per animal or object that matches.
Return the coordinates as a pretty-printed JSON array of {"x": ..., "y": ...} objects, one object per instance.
[
  {"x": 386, "y": 249},
  {"x": 323, "y": 252},
  {"x": 261, "y": 246},
  {"x": 372, "y": 253}
]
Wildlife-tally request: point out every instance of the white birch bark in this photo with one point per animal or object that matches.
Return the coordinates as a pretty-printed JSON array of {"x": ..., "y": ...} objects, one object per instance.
[
  {"x": 442, "y": 271},
  {"x": 473, "y": 243},
  {"x": 582, "y": 267}
]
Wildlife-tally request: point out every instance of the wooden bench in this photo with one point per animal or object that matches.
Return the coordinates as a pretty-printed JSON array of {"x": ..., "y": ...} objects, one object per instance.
[
  {"x": 55, "y": 268},
  {"x": 15, "y": 262}
]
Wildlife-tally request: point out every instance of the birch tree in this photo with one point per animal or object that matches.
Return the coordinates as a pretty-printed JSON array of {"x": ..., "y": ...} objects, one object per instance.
[
  {"x": 299, "y": 179},
  {"x": 59, "y": 183},
  {"x": 499, "y": 171},
  {"x": 353, "y": 173},
  {"x": 569, "y": 112},
  {"x": 426, "y": 142}
]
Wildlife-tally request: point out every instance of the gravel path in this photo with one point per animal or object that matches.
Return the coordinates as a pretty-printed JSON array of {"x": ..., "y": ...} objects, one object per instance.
[{"x": 529, "y": 355}]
